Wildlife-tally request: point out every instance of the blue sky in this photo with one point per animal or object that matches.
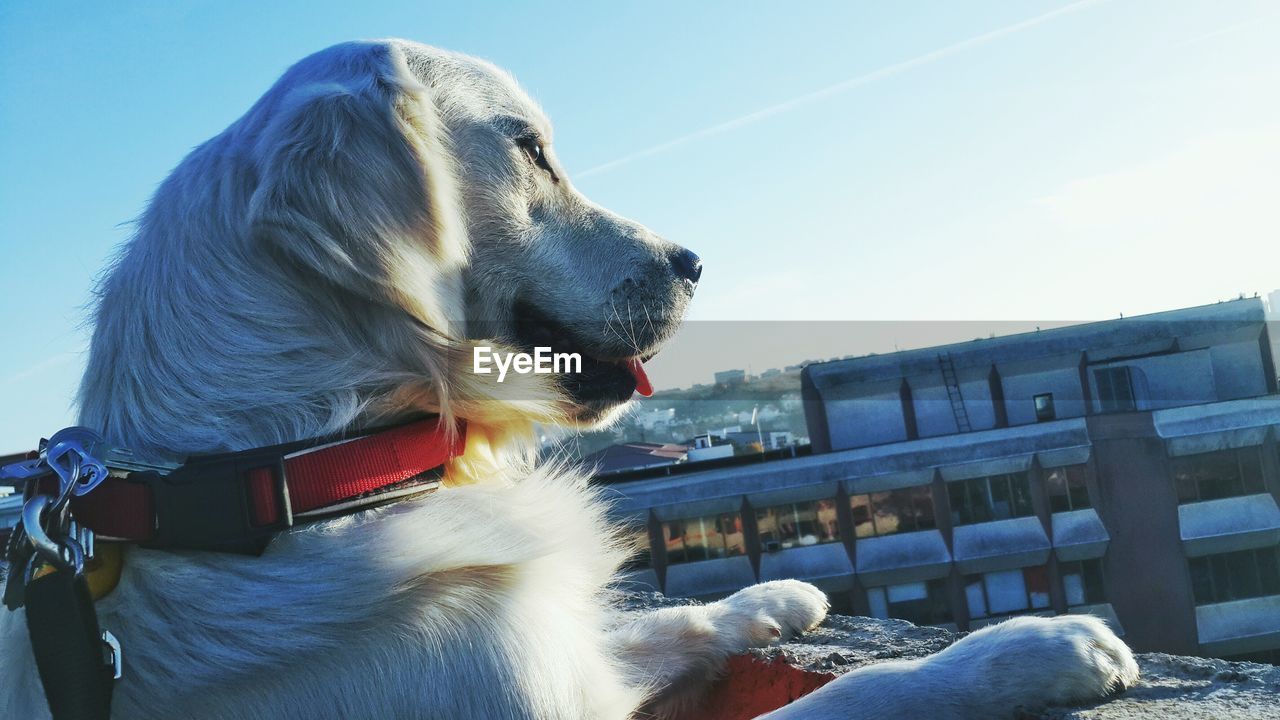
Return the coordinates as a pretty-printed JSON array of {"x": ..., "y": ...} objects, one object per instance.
[{"x": 1031, "y": 161}]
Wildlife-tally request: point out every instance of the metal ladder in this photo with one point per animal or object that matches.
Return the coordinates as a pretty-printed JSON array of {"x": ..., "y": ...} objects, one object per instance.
[{"x": 953, "y": 393}]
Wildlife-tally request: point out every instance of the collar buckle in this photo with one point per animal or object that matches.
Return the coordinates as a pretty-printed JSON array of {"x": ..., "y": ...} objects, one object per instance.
[{"x": 233, "y": 502}]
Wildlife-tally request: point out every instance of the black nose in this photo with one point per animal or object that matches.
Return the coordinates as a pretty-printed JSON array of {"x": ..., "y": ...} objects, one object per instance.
[{"x": 687, "y": 265}]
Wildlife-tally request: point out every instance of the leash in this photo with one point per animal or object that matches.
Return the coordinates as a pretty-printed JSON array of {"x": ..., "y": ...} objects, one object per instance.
[{"x": 78, "y": 492}]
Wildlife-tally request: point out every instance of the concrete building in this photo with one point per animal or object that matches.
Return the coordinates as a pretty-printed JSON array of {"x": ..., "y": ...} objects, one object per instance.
[
  {"x": 10, "y": 511},
  {"x": 10, "y": 501},
  {"x": 1273, "y": 321},
  {"x": 704, "y": 448},
  {"x": 651, "y": 419},
  {"x": 731, "y": 377},
  {"x": 1128, "y": 469}
]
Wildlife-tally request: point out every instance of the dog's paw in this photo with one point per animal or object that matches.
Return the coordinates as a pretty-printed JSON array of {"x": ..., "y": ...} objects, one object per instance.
[
  {"x": 1035, "y": 661},
  {"x": 772, "y": 611}
]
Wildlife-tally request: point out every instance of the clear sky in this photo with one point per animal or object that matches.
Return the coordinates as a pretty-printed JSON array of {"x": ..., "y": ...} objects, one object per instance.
[{"x": 1035, "y": 161}]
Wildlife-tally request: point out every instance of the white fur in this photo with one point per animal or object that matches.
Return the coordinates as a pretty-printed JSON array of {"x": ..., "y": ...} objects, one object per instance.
[{"x": 328, "y": 262}]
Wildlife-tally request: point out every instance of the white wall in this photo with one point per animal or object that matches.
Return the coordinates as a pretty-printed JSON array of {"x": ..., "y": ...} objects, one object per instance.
[
  {"x": 934, "y": 415},
  {"x": 1237, "y": 369},
  {"x": 871, "y": 419},
  {"x": 1184, "y": 378},
  {"x": 1021, "y": 388}
]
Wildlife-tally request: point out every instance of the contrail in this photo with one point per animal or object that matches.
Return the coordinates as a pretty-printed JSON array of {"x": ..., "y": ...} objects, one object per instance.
[
  {"x": 39, "y": 367},
  {"x": 874, "y": 75}
]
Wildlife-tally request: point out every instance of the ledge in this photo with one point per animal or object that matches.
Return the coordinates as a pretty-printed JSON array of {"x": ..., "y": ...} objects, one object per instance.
[
  {"x": 1000, "y": 545},
  {"x": 1171, "y": 688},
  {"x": 1229, "y": 524},
  {"x": 828, "y": 562},
  {"x": 902, "y": 558},
  {"x": 710, "y": 578},
  {"x": 1079, "y": 535},
  {"x": 1239, "y": 626}
]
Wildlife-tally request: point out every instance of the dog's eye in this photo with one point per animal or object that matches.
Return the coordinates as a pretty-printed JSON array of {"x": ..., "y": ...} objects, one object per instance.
[{"x": 533, "y": 149}]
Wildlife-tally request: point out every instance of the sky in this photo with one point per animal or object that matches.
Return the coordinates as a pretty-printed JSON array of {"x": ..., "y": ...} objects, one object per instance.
[{"x": 934, "y": 171}]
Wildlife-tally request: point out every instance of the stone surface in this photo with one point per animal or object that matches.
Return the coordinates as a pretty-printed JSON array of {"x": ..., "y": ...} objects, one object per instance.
[{"x": 1171, "y": 688}]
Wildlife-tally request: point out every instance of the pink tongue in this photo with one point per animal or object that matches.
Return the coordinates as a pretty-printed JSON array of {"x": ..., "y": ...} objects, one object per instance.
[{"x": 643, "y": 386}]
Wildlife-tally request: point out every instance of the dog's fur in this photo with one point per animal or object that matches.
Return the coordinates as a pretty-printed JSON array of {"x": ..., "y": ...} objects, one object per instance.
[{"x": 327, "y": 263}]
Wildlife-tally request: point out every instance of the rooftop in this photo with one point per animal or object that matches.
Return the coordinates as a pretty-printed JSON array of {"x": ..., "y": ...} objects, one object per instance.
[{"x": 1103, "y": 340}]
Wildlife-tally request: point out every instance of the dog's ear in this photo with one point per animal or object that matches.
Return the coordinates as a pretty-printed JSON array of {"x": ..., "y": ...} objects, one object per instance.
[{"x": 355, "y": 181}]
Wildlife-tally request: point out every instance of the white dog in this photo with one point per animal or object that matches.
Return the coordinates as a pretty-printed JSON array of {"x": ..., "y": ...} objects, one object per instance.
[{"x": 328, "y": 263}]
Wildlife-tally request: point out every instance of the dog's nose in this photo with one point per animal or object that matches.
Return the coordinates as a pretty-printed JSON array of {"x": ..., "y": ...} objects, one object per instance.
[{"x": 687, "y": 265}]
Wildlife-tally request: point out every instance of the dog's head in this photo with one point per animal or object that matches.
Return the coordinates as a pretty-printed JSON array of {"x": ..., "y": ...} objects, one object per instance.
[{"x": 428, "y": 180}]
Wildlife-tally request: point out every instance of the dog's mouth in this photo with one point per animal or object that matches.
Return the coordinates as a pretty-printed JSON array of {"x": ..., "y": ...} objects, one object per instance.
[{"x": 607, "y": 379}]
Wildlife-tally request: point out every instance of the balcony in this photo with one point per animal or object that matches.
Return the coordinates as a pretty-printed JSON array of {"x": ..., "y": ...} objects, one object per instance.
[
  {"x": 1000, "y": 545},
  {"x": 1229, "y": 524}
]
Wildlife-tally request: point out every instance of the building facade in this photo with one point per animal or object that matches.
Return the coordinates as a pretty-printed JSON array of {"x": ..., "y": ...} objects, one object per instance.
[
  {"x": 731, "y": 377},
  {"x": 1128, "y": 469}
]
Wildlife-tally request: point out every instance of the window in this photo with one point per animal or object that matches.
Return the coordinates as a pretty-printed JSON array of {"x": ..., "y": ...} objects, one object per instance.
[
  {"x": 1115, "y": 389},
  {"x": 1220, "y": 474},
  {"x": 998, "y": 497},
  {"x": 1007, "y": 592},
  {"x": 923, "y": 603},
  {"x": 1236, "y": 575},
  {"x": 893, "y": 511},
  {"x": 1067, "y": 489},
  {"x": 798, "y": 524},
  {"x": 1044, "y": 407},
  {"x": 705, "y": 538},
  {"x": 1083, "y": 582}
]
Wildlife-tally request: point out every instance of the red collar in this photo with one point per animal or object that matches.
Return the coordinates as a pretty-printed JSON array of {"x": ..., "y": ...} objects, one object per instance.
[{"x": 237, "y": 501}]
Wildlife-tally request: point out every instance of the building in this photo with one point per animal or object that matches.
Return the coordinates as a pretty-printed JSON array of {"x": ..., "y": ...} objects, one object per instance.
[
  {"x": 633, "y": 455},
  {"x": 705, "y": 448},
  {"x": 10, "y": 501},
  {"x": 10, "y": 512},
  {"x": 651, "y": 419},
  {"x": 1129, "y": 469},
  {"x": 1273, "y": 322},
  {"x": 731, "y": 377},
  {"x": 750, "y": 439}
]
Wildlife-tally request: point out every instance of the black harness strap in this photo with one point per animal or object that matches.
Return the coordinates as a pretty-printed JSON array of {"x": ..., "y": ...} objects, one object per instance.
[{"x": 68, "y": 646}]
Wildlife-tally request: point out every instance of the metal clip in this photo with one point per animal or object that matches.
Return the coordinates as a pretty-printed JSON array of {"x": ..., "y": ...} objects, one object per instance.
[
  {"x": 73, "y": 454},
  {"x": 68, "y": 553},
  {"x": 112, "y": 655}
]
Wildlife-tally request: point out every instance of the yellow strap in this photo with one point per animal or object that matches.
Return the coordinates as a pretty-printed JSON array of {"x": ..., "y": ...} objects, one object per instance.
[{"x": 102, "y": 571}]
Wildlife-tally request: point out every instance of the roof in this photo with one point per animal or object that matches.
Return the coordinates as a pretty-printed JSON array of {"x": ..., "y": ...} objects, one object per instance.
[
  {"x": 967, "y": 455},
  {"x": 1107, "y": 339},
  {"x": 636, "y": 455}
]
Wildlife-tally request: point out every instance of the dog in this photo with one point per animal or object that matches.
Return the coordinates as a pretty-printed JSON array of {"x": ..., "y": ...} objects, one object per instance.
[{"x": 330, "y": 262}]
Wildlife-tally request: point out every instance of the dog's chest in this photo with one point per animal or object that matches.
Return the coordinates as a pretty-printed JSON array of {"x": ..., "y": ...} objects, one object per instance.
[{"x": 481, "y": 602}]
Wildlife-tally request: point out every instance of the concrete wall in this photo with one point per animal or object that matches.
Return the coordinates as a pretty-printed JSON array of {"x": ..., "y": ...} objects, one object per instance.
[
  {"x": 1179, "y": 358},
  {"x": 867, "y": 415},
  {"x": 1239, "y": 370},
  {"x": 934, "y": 415},
  {"x": 1145, "y": 573},
  {"x": 976, "y": 390},
  {"x": 1021, "y": 387},
  {"x": 872, "y": 414}
]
